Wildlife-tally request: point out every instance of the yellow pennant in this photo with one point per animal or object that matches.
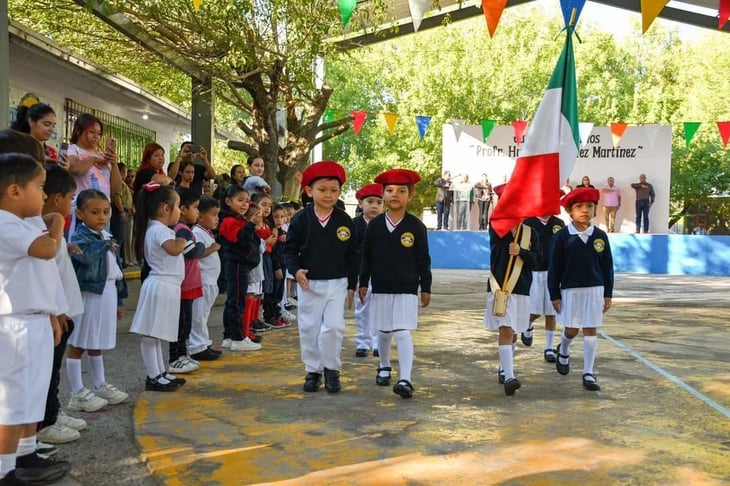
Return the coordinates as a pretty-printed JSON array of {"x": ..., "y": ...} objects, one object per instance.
[
  {"x": 391, "y": 119},
  {"x": 196, "y": 4},
  {"x": 650, "y": 9}
]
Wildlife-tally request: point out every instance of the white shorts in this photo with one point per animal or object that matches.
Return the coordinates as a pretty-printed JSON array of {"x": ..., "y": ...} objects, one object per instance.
[
  {"x": 255, "y": 288},
  {"x": 26, "y": 361},
  {"x": 540, "y": 303},
  {"x": 581, "y": 307},
  {"x": 389, "y": 312},
  {"x": 517, "y": 316}
]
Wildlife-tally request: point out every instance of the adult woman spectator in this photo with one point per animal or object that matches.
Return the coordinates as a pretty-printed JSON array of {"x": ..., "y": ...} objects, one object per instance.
[
  {"x": 187, "y": 174},
  {"x": 238, "y": 174},
  {"x": 255, "y": 181},
  {"x": 38, "y": 121},
  {"x": 121, "y": 215},
  {"x": 586, "y": 182},
  {"x": 191, "y": 152},
  {"x": 153, "y": 158}
]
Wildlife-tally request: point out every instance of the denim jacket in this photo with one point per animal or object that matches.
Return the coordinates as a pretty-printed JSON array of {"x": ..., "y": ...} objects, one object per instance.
[{"x": 91, "y": 265}]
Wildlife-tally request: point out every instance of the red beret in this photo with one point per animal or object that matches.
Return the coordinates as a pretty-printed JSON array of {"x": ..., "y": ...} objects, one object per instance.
[
  {"x": 498, "y": 190},
  {"x": 580, "y": 194},
  {"x": 324, "y": 169},
  {"x": 398, "y": 177},
  {"x": 369, "y": 190}
]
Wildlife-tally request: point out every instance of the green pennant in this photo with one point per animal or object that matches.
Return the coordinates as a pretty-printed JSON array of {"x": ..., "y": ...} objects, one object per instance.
[
  {"x": 329, "y": 115},
  {"x": 487, "y": 127},
  {"x": 347, "y": 7},
  {"x": 690, "y": 128}
]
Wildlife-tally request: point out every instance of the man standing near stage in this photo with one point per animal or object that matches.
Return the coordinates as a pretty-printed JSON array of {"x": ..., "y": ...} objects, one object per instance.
[
  {"x": 611, "y": 202},
  {"x": 444, "y": 197},
  {"x": 644, "y": 199}
]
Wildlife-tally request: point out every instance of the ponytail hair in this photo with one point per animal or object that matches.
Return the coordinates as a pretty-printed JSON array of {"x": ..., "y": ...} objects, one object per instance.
[{"x": 150, "y": 199}]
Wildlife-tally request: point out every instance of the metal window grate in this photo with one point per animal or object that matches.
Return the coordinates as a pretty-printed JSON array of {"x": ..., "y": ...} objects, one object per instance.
[{"x": 131, "y": 138}]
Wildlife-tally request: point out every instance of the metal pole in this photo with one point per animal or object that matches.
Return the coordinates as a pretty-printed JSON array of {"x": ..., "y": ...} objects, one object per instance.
[
  {"x": 318, "y": 72},
  {"x": 4, "y": 66}
]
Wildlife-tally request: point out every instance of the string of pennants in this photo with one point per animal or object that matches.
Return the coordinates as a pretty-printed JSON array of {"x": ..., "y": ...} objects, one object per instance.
[{"x": 519, "y": 126}]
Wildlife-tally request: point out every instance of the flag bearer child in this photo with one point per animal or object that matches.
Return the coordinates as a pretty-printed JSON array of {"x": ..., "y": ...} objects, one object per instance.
[
  {"x": 323, "y": 255},
  {"x": 370, "y": 199},
  {"x": 580, "y": 280},
  {"x": 396, "y": 263},
  {"x": 514, "y": 245}
]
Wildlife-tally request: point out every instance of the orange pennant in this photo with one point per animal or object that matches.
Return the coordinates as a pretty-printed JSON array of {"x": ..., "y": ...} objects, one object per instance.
[
  {"x": 617, "y": 131},
  {"x": 650, "y": 9},
  {"x": 492, "y": 12},
  {"x": 519, "y": 128},
  {"x": 724, "y": 127},
  {"x": 391, "y": 119}
]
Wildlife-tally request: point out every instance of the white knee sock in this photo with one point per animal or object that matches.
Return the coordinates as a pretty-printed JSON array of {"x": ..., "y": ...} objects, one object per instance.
[
  {"x": 7, "y": 464},
  {"x": 565, "y": 343},
  {"x": 404, "y": 343},
  {"x": 26, "y": 445},
  {"x": 384, "y": 350},
  {"x": 549, "y": 337},
  {"x": 97, "y": 370},
  {"x": 73, "y": 371},
  {"x": 147, "y": 346},
  {"x": 505, "y": 360},
  {"x": 590, "y": 346}
]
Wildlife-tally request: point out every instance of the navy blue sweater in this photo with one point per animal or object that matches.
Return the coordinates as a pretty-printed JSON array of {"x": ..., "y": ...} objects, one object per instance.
[
  {"x": 499, "y": 259},
  {"x": 575, "y": 264},
  {"x": 397, "y": 262},
  {"x": 327, "y": 253},
  {"x": 545, "y": 233}
]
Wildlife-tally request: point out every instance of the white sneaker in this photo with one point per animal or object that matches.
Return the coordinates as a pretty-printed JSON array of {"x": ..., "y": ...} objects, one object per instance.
[
  {"x": 182, "y": 365},
  {"x": 70, "y": 422},
  {"x": 290, "y": 303},
  {"x": 194, "y": 361},
  {"x": 245, "y": 345},
  {"x": 226, "y": 343},
  {"x": 288, "y": 315},
  {"x": 85, "y": 401},
  {"x": 111, "y": 394},
  {"x": 57, "y": 434}
]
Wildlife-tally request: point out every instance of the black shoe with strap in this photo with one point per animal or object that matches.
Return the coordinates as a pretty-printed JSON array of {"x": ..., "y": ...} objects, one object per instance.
[
  {"x": 403, "y": 388},
  {"x": 153, "y": 384},
  {"x": 383, "y": 380},
  {"x": 527, "y": 341},
  {"x": 34, "y": 469},
  {"x": 549, "y": 355},
  {"x": 590, "y": 384},
  {"x": 312, "y": 382},
  {"x": 332, "y": 381},
  {"x": 563, "y": 369},
  {"x": 511, "y": 386},
  {"x": 361, "y": 352}
]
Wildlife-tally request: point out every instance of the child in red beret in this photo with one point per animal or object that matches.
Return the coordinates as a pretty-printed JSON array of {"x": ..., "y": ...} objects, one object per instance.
[
  {"x": 580, "y": 280},
  {"x": 395, "y": 263},
  {"x": 370, "y": 200},
  {"x": 322, "y": 253}
]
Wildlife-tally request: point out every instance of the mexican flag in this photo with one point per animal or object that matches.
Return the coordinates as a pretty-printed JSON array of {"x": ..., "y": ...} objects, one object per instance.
[{"x": 548, "y": 153}]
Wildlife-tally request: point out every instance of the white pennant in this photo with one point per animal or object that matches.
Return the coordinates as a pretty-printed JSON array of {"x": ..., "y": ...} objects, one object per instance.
[
  {"x": 418, "y": 10},
  {"x": 584, "y": 129},
  {"x": 458, "y": 126}
]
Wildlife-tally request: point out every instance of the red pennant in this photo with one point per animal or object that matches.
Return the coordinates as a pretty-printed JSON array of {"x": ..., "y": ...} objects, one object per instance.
[
  {"x": 724, "y": 127},
  {"x": 724, "y": 13},
  {"x": 519, "y": 127},
  {"x": 492, "y": 12},
  {"x": 358, "y": 120}
]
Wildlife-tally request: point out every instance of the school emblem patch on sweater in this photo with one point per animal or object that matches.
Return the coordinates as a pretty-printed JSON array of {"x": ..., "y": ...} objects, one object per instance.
[
  {"x": 407, "y": 239},
  {"x": 343, "y": 233},
  {"x": 599, "y": 245}
]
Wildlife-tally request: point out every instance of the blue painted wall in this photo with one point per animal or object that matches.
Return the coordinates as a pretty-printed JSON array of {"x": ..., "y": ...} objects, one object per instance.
[{"x": 652, "y": 253}]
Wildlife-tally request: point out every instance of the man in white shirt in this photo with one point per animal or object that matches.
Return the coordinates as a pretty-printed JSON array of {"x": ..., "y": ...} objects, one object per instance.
[{"x": 611, "y": 202}]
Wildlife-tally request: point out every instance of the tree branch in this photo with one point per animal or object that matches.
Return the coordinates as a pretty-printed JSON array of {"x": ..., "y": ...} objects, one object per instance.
[
  {"x": 242, "y": 147},
  {"x": 245, "y": 128},
  {"x": 338, "y": 131},
  {"x": 334, "y": 124}
]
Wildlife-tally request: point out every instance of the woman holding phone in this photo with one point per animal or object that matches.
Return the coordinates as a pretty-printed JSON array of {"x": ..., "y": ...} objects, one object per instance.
[{"x": 203, "y": 171}]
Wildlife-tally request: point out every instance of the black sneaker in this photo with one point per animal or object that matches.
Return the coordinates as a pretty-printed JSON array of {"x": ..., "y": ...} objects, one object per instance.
[
  {"x": 259, "y": 326},
  {"x": 312, "y": 382},
  {"x": 34, "y": 469},
  {"x": 205, "y": 355},
  {"x": 332, "y": 381}
]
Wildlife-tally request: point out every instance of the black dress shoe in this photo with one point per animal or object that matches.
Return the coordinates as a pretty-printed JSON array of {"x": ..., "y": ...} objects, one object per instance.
[
  {"x": 527, "y": 341},
  {"x": 591, "y": 385},
  {"x": 153, "y": 384},
  {"x": 500, "y": 376},
  {"x": 361, "y": 352},
  {"x": 34, "y": 469},
  {"x": 214, "y": 351},
  {"x": 175, "y": 379},
  {"x": 312, "y": 382},
  {"x": 563, "y": 369},
  {"x": 332, "y": 381},
  {"x": 383, "y": 380},
  {"x": 549, "y": 355},
  {"x": 205, "y": 355},
  {"x": 403, "y": 388},
  {"x": 511, "y": 386}
]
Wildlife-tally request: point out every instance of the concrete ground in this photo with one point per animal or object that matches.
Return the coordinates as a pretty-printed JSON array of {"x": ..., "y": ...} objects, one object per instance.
[{"x": 662, "y": 416}]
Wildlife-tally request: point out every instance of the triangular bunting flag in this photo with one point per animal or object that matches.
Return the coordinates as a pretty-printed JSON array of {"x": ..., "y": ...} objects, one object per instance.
[
  {"x": 329, "y": 115},
  {"x": 617, "y": 131},
  {"x": 458, "y": 126},
  {"x": 492, "y": 12},
  {"x": 422, "y": 123},
  {"x": 519, "y": 127},
  {"x": 724, "y": 13},
  {"x": 585, "y": 130},
  {"x": 418, "y": 10},
  {"x": 690, "y": 128},
  {"x": 196, "y": 4},
  {"x": 346, "y": 9},
  {"x": 567, "y": 6},
  {"x": 652, "y": 133},
  {"x": 724, "y": 127},
  {"x": 487, "y": 127},
  {"x": 358, "y": 120},
  {"x": 390, "y": 120},
  {"x": 650, "y": 9}
]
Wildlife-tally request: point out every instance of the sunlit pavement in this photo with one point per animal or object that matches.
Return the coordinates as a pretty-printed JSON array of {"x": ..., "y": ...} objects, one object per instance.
[{"x": 661, "y": 417}]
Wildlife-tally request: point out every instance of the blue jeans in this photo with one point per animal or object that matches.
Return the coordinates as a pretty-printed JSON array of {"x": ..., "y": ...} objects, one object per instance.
[
  {"x": 442, "y": 215},
  {"x": 642, "y": 211}
]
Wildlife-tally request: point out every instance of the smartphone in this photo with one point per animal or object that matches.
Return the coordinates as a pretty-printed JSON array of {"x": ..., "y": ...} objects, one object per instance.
[
  {"x": 111, "y": 145},
  {"x": 62, "y": 153},
  {"x": 194, "y": 149}
]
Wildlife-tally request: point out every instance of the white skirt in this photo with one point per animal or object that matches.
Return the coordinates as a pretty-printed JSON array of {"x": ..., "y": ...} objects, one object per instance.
[
  {"x": 96, "y": 328},
  {"x": 26, "y": 360},
  {"x": 517, "y": 316},
  {"x": 540, "y": 303},
  {"x": 390, "y": 312},
  {"x": 255, "y": 288},
  {"x": 581, "y": 307},
  {"x": 158, "y": 308}
]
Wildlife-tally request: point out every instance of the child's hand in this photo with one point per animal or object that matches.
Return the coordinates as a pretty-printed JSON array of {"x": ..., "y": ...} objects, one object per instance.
[
  {"x": 120, "y": 312},
  {"x": 282, "y": 239},
  {"x": 63, "y": 322},
  {"x": 74, "y": 249},
  {"x": 514, "y": 249},
  {"x": 115, "y": 247},
  {"x": 301, "y": 278},
  {"x": 556, "y": 305},
  {"x": 363, "y": 292},
  {"x": 606, "y": 304},
  {"x": 271, "y": 240},
  {"x": 278, "y": 274},
  {"x": 350, "y": 298},
  {"x": 215, "y": 246},
  {"x": 425, "y": 299}
]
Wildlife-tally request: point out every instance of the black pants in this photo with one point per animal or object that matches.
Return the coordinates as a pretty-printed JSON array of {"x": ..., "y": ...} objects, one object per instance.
[
  {"x": 53, "y": 405},
  {"x": 236, "y": 286},
  {"x": 272, "y": 300},
  {"x": 483, "y": 214},
  {"x": 185, "y": 324}
]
